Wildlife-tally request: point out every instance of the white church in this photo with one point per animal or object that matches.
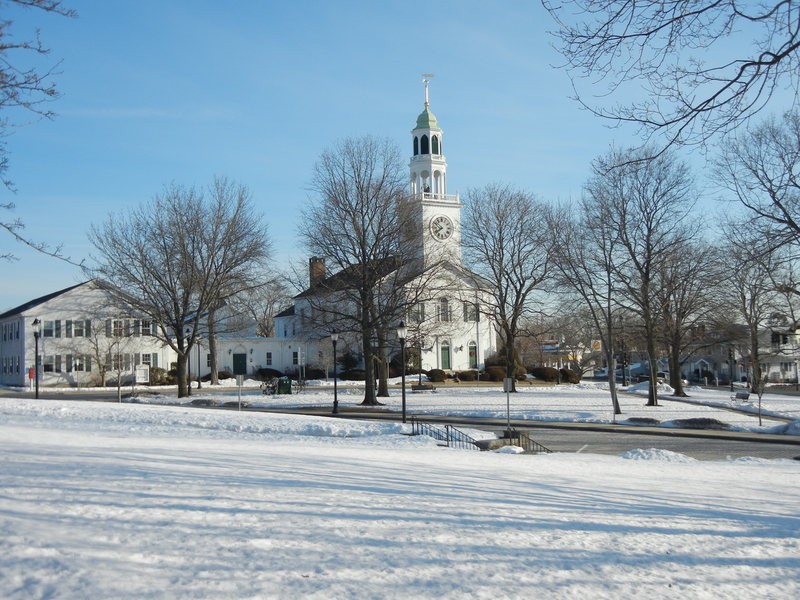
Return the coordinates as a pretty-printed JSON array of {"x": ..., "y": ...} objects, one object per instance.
[{"x": 450, "y": 327}]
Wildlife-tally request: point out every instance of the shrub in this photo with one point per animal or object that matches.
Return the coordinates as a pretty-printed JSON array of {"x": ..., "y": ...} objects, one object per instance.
[
  {"x": 496, "y": 373},
  {"x": 496, "y": 360},
  {"x": 545, "y": 373},
  {"x": 437, "y": 376},
  {"x": 466, "y": 375},
  {"x": 315, "y": 373},
  {"x": 265, "y": 373},
  {"x": 701, "y": 423},
  {"x": 353, "y": 375},
  {"x": 220, "y": 375},
  {"x": 569, "y": 376},
  {"x": 158, "y": 376}
]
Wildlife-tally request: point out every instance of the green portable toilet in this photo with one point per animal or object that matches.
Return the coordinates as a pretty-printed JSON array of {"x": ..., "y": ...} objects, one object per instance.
[{"x": 284, "y": 385}]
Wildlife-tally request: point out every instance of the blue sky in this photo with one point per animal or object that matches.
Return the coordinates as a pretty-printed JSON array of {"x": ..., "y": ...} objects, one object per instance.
[{"x": 182, "y": 90}]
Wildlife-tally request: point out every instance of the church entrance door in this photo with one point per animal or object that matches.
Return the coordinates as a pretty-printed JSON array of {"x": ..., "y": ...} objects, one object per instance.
[{"x": 445, "y": 356}]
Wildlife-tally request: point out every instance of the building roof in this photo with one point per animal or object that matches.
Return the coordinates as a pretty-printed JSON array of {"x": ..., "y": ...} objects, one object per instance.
[
  {"x": 286, "y": 313},
  {"x": 426, "y": 120},
  {"x": 348, "y": 278},
  {"x": 37, "y": 301}
]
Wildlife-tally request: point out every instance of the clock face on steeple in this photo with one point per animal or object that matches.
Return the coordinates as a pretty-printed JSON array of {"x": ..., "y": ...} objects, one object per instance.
[{"x": 441, "y": 227}]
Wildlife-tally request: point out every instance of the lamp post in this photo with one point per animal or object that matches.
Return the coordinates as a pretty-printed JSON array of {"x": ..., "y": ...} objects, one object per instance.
[
  {"x": 199, "y": 363},
  {"x": 334, "y": 339},
  {"x": 419, "y": 362},
  {"x": 188, "y": 367},
  {"x": 37, "y": 331},
  {"x": 402, "y": 333}
]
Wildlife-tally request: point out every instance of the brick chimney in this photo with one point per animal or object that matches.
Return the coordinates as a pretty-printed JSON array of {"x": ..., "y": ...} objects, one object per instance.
[{"x": 316, "y": 270}]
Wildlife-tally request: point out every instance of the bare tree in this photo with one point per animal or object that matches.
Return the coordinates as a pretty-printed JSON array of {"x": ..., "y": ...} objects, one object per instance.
[
  {"x": 701, "y": 67},
  {"x": 356, "y": 222},
  {"x": 506, "y": 242},
  {"x": 26, "y": 88},
  {"x": 761, "y": 167},
  {"x": 176, "y": 256},
  {"x": 261, "y": 304},
  {"x": 685, "y": 286},
  {"x": 752, "y": 294},
  {"x": 647, "y": 203},
  {"x": 586, "y": 245},
  {"x": 228, "y": 264}
]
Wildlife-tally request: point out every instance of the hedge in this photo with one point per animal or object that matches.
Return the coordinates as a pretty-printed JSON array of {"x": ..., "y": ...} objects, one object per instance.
[
  {"x": 545, "y": 373},
  {"x": 437, "y": 376},
  {"x": 569, "y": 376}
]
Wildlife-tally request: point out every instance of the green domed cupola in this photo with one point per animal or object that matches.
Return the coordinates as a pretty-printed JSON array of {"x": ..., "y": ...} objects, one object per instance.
[{"x": 426, "y": 120}]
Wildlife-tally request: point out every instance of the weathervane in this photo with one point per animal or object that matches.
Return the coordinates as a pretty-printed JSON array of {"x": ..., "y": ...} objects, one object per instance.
[{"x": 426, "y": 79}]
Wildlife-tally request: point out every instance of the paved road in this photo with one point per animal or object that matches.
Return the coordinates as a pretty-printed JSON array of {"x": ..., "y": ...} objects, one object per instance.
[
  {"x": 561, "y": 440},
  {"x": 592, "y": 438}
]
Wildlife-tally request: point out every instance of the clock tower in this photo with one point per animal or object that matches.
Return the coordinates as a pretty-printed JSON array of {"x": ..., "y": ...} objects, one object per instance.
[{"x": 437, "y": 212}]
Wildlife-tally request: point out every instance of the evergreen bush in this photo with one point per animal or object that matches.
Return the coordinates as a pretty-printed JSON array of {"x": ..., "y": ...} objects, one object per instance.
[
  {"x": 466, "y": 375},
  {"x": 265, "y": 373},
  {"x": 545, "y": 373},
  {"x": 158, "y": 376},
  {"x": 496, "y": 373},
  {"x": 569, "y": 376},
  {"x": 437, "y": 376},
  {"x": 353, "y": 375},
  {"x": 315, "y": 373}
]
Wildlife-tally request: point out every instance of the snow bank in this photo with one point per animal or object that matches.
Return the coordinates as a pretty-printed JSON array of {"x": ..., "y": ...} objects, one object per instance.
[{"x": 656, "y": 454}]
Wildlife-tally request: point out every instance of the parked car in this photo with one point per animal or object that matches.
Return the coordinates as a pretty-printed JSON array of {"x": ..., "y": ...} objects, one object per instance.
[{"x": 661, "y": 377}]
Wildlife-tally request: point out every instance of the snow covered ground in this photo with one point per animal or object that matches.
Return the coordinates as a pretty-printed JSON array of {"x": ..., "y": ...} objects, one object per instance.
[{"x": 105, "y": 500}]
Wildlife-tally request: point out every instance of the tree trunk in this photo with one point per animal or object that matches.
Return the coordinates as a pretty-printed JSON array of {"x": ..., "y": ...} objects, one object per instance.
[
  {"x": 675, "y": 378},
  {"x": 383, "y": 377},
  {"x": 612, "y": 375},
  {"x": 511, "y": 363},
  {"x": 182, "y": 374},
  {"x": 369, "y": 370},
  {"x": 383, "y": 369},
  {"x": 652, "y": 391}
]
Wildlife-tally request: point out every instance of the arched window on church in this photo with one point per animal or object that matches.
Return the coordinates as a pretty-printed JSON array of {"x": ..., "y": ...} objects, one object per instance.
[
  {"x": 424, "y": 149},
  {"x": 435, "y": 144},
  {"x": 416, "y": 146}
]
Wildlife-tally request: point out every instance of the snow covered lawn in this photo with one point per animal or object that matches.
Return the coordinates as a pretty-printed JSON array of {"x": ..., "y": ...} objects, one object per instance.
[
  {"x": 585, "y": 402},
  {"x": 127, "y": 501}
]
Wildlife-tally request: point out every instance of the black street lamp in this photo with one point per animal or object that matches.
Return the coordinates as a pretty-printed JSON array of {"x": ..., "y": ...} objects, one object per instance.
[
  {"x": 188, "y": 367},
  {"x": 334, "y": 339},
  {"x": 402, "y": 333},
  {"x": 37, "y": 331},
  {"x": 198, "y": 364}
]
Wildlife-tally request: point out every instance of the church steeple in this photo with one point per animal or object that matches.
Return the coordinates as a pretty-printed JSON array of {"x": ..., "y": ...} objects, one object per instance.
[
  {"x": 439, "y": 212},
  {"x": 428, "y": 167}
]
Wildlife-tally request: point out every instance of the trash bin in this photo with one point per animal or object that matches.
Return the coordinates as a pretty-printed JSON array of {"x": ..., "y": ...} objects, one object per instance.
[{"x": 284, "y": 385}]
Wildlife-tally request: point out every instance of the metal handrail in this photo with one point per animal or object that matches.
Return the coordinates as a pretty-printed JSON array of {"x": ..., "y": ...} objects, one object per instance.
[
  {"x": 453, "y": 437},
  {"x": 529, "y": 445}
]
